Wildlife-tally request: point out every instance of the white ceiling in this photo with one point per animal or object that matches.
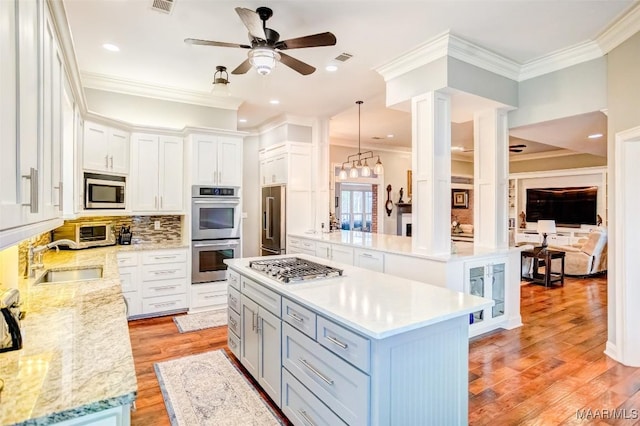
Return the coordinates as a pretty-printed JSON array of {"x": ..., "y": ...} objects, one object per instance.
[{"x": 374, "y": 32}]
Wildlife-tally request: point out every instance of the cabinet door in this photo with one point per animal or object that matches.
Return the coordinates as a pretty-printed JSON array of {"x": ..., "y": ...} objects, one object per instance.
[
  {"x": 269, "y": 332},
  {"x": 342, "y": 254},
  {"x": 498, "y": 289},
  {"x": 280, "y": 169},
  {"x": 323, "y": 250},
  {"x": 118, "y": 151},
  {"x": 249, "y": 352},
  {"x": 94, "y": 148},
  {"x": 229, "y": 161},
  {"x": 205, "y": 158},
  {"x": 145, "y": 185},
  {"x": 10, "y": 196},
  {"x": 170, "y": 179}
]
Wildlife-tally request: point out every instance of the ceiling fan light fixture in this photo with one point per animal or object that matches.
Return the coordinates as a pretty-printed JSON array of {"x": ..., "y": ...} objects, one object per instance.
[
  {"x": 221, "y": 81},
  {"x": 263, "y": 59}
]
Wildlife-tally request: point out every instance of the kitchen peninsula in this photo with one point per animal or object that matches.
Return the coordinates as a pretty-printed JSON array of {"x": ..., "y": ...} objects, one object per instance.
[{"x": 359, "y": 348}]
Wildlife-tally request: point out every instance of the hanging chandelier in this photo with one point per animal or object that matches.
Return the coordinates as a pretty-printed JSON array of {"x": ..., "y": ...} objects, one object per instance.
[
  {"x": 365, "y": 170},
  {"x": 221, "y": 81}
]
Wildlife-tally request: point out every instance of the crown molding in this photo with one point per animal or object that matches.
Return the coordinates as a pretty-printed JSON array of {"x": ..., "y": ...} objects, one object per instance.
[
  {"x": 621, "y": 30},
  {"x": 560, "y": 59},
  {"x": 483, "y": 58},
  {"x": 137, "y": 88}
]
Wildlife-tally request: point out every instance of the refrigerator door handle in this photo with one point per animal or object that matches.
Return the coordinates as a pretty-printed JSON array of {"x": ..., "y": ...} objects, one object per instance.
[{"x": 269, "y": 212}]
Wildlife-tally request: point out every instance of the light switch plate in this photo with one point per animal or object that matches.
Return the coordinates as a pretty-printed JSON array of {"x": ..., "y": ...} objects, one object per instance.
[
  {"x": 245, "y": 215},
  {"x": 156, "y": 225}
]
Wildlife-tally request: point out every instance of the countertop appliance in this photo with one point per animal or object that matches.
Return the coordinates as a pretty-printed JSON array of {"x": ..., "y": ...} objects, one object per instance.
[
  {"x": 215, "y": 212},
  {"x": 86, "y": 235},
  {"x": 273, "y": 220},
  {"x": 291, "y": 270},
  {"x": 10, "y": 335},
  {"x": 104, "y": 191},
  {"x": 124, "y": 236},
  {"x": 207, "y": 259}
]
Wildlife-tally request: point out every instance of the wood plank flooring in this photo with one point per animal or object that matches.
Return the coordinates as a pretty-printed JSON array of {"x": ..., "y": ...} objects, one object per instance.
[{"x": 538, "y": 374}]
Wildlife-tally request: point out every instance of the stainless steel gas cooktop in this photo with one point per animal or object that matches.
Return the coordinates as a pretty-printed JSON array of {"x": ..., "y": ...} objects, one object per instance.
[{"x": 293, "y": 269}]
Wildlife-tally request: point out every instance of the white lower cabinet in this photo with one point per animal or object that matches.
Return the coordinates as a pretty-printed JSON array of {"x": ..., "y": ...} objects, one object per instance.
[
  {"x": 208, "y": 296},
  {"x": 154, "y": 282},
  {"x": 302, "y": 407},
  {"x": 298, "y": 245},
  {"x": 369, "y": 259},
  {"x": 234, "y": 309},
  {"x": 487, "y": 278}
]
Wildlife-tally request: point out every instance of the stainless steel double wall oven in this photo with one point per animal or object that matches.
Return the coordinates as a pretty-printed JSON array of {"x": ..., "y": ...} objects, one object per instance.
[{"x": 215, "y": 231}]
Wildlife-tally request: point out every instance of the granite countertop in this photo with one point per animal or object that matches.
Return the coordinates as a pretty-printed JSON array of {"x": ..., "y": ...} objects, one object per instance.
[
  {"x": 76, "y": 357},
  {"x": 396, "y": 244},
  {"x": 375, "y": 304}
]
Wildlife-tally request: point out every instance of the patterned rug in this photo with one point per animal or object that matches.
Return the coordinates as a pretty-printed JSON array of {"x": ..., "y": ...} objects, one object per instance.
[
  {"x": 207, "y": 389},
  {"x": 208, "y": 319}
]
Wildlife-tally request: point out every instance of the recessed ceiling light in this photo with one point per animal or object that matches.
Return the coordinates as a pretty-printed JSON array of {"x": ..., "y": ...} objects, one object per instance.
[
  {"x": 595, "y": 136},
  {"x": 242, "y": 120},
  {"x": 111, "y": 47},
  {"x": 274, "y": 102},
  {"x": 390, "y": 135},
  {"x": 331, "y": 68}
]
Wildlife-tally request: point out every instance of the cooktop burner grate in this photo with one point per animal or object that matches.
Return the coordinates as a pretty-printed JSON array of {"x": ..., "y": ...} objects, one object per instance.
[{"x": 294, "y": 269}]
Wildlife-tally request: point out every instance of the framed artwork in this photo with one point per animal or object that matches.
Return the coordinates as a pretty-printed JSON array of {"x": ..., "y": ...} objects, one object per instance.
[{"x": 459, "y": 198}]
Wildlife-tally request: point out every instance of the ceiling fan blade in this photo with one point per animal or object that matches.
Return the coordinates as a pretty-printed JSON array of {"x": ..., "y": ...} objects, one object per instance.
[
  {"x": 215, "y": 43},
  {"x": 295, "y": 64},
  {"x": 242, "y": 68},
  {"x": 252, "y": 21},
  {"x": 517, "y": 146},
  {"x": 515, "y": 150},
  {"x": 315, "y": 40}
]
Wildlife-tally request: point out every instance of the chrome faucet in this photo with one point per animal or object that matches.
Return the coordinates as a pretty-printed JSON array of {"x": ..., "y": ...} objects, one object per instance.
[{"x": 34, "y": 260}]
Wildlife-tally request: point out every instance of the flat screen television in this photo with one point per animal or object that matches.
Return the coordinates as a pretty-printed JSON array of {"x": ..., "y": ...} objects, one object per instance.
[{"x": 570, "y": 206}]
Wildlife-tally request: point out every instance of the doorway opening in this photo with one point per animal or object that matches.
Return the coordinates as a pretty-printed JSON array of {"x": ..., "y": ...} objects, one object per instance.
[{"x": 356, "y": 206}]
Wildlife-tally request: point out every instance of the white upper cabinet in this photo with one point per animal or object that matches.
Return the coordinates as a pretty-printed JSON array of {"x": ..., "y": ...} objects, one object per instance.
[
  {"x": 217, "y": 160},
  {"x": 157, "y": 174},
  {"x": 105, "y": 149}
]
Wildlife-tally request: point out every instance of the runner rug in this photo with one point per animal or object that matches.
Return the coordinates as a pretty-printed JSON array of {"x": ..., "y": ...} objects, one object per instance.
[
  {"x": 207, "y": 389},
  {"x": 208, "y": 319}
]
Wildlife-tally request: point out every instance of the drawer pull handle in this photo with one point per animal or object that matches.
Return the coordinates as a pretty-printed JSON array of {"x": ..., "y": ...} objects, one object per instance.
[
  {"x": 173, "y": 256},
  {"x": 306, "y": 417},
  {"x": 166, "y": 287},
  {"x": 233, "y": 299},
  {"x": 253, "y": 321},
  {"x": 295, "y": 317},
  {"x": 316, "y": 372},
  {"x": 161, "y": 305},
  {"x": 336, "y": 342},
  {"x": 232, "y": 343},
  {"x": 366, "y": 255},
  {"x": 211, "y": 296},
  {"x": 233, "y": 322},
  {"x": 168, "y": 271}
]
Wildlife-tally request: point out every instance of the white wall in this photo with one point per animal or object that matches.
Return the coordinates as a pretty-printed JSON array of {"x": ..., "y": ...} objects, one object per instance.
[
  {"x": 251, "y": 197},
  {"x": 141, "y": 111}
]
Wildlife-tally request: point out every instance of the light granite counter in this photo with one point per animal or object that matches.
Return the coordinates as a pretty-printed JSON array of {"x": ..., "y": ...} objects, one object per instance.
[{"x": 76, "y": 357}]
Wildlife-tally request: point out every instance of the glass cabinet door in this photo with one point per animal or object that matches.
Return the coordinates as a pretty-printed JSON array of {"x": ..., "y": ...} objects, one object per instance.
[
  {"x": 497, "y": 290},
  {"x": 476, "y": 288}
]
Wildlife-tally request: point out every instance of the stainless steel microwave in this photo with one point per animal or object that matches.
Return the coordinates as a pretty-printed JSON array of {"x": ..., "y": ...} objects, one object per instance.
[{"x": 104, "y": 191}]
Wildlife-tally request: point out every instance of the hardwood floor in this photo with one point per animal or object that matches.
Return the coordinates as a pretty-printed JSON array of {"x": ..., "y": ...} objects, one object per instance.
[{"x": 538, "y": 374}]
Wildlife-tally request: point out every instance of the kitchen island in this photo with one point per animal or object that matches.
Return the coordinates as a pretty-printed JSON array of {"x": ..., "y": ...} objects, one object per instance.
[
  {"x": 360, "y": 348},
  {"x": 76, "y": 364}
]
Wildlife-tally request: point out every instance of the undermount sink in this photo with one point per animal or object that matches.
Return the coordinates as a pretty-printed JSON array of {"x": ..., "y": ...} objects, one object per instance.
[{"x": 64, "y": 275}]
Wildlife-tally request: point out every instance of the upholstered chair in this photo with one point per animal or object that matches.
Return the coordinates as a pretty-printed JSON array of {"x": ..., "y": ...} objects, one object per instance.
[{"x": 588, "y": 256}]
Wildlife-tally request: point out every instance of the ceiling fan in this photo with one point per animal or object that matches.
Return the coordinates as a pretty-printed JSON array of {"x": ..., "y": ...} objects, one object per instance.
[{"x": 266, "y": 47}]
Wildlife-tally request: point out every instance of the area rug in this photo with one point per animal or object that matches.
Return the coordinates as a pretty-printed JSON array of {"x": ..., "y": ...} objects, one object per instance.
[
  {"x": 207, "y": 389},
  {"x": 201, "y": 320}
]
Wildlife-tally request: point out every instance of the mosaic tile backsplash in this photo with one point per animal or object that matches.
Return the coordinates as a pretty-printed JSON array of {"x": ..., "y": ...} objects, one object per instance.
[{"x": 142, "y": 227}]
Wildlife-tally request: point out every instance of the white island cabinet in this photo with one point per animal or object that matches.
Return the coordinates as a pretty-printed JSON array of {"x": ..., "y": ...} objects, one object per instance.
[{"x": 361, "y": 349}]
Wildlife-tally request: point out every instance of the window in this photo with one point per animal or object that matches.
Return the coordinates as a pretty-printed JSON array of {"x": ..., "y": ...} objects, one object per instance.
[{"x": 356, "y": 207}]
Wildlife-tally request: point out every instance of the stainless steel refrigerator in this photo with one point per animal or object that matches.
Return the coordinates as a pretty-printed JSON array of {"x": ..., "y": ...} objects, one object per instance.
[{"x": 273, "y": 221}]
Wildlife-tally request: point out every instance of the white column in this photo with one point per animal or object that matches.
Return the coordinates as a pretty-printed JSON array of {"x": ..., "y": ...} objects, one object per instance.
[
  {"x": 431, "y": 165},
  {"x": 321, "y": 167},
  {"x": 491, "y": 178}
]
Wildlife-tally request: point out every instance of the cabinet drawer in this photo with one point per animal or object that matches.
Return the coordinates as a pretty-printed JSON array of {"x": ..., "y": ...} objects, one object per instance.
[
  {"x": 372, "y": 260},
  {"x": 164, "y": 256},
  {"x": 165, "y": 271},
  {"x": 233, "y": 278},
  {"x": 307, "y": 245},
  {"x": 342, "y": 254},
  {"x": 234, "y": 321},
  {"x": 154, "y": 305},
  {"x": 234, "y": 299},
  {"x": 128, "y": 278},
  {"x": 345, "y": 343},
  {"x": 299, "y": 317},
  {"x": 164, "y": 287},
  {"x": 342, "y": 387},
  {"x": 209, "y": 294},
  {"x": 233, "y": 342},
  {"x": 302, "y": 407},
  {"x": 266, "y": 298},
  {"x": 127, "y": 259}
]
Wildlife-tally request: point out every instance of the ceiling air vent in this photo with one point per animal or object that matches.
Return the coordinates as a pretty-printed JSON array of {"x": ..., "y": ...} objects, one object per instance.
[
  {"x": 343, "y": 57},
  {"x": 164, "y": 6}
]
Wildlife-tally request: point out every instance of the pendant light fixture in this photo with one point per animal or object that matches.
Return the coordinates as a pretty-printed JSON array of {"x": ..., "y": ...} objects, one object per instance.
[
  {"x": 365, "y": 170},
  {"x": 221, "y": 81}
]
